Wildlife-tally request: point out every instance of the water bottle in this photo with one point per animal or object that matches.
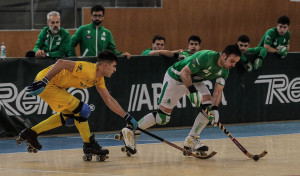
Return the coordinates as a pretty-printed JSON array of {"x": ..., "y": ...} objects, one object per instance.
[{"x": 3, "y": 51}]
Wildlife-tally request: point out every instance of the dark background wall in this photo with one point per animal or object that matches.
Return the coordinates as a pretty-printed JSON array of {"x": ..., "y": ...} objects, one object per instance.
[{"x": 269, "y": 94}]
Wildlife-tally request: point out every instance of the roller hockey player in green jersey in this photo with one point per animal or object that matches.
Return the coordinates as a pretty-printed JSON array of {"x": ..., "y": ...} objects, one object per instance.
[
  {"x": 277, "y": 39},
  {"x": 260, "y": 52},
  {"x": 187, "y": 77}
]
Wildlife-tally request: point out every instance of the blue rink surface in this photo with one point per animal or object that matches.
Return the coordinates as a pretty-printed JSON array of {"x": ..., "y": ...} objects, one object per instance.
[{"x": 171, "y": 135}]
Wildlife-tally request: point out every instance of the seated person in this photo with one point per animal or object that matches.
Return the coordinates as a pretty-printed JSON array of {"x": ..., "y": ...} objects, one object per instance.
[
  {"x": 53, "y": 41},
  {"x": 158, "y": 48},
  {"x": 260, "y": 52},
  {"x": 194, "y": 46}
]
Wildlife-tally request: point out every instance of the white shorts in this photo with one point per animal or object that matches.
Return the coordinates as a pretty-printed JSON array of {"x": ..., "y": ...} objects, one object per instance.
[{"x": 173, "y": 90}]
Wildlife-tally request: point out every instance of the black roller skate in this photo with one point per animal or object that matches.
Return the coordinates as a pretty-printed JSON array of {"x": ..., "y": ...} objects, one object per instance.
[
  {"x": 30, "y": 138},
  {"x": 129, "y": 141},
  {"x": 93, "y": 148},
  {"x": 192, "y": 144}
]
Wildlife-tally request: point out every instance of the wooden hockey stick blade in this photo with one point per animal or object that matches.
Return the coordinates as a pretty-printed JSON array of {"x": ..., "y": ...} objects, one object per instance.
[
  {"x": 176, "y": 146},
  {"x": 254, "y": 157}
]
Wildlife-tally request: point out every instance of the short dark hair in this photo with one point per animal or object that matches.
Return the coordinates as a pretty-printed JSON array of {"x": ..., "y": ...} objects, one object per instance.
[
  {"x": 195, "y": 38},
  {"x": 158, "y": 37},
  {"x": 244, "y": 39},
  {"x": 97, "y": 8},
  {"x": 232, "y": 49},
  {"x": 284, "y": 20},
  {"x": 107, "y": 56}
]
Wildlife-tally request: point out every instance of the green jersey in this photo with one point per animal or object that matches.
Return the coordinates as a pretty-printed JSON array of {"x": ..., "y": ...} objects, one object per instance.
[
  {"x": 184, "y": 54},
  {"x": 146, "y": 52},
  {"x": 273, "y": 39},
  {"x": 259, "y": 51},
  {"x": 92, "y": 40},
  {"x": 203, "y": 65},
  {"x": 55, "y": 45}
]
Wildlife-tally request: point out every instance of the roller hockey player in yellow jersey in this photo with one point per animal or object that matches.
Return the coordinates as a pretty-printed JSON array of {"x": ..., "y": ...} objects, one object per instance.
[{"x": 51, "y": 84}]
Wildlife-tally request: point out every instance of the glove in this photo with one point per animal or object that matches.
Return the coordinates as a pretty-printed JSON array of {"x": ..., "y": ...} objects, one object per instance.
[
  {"x": 194, "y": 96},
  {"x": 249, "y": 66},
  {"x": 213, "y": 115},
  {"x": 258, "y": 63},
  {"x": 37, "y": 87},
  {"x": 282, "y": 51},
  {"x": 131, "y": 121}
]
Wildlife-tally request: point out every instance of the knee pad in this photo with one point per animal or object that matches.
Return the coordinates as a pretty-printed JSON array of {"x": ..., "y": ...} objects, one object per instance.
[
  {"x": 82, "y": 112},
  {"x": 161, "y": 118},
  {"x": 69, "y": 122}
]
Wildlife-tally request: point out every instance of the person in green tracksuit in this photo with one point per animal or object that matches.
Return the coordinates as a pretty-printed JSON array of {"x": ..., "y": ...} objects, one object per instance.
[
  {"x": 194, "y": 46},
  {"x": 158, "y": 48},
  {"x": 277, "y": 39},
  {"x": 187, "y": 77},
  {"x": 260, "y": 52},
  {"x": 53, "y": 41},
  {"x": 94, "y": 38}
]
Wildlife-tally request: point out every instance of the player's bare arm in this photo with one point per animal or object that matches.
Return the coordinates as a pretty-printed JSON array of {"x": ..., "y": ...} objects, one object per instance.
[
  {"x": 270, "y": 49},
  {"x": 217, "y": 95},
  {"x": 59, "y": 66},
  {"x": 185, "y": 76},
  {"x": 111, "y": 102}
]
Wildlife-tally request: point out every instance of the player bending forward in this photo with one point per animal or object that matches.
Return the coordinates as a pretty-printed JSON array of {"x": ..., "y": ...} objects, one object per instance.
[
  {"x": 51, "y": 84},
  {"x": 186, "y": 77}
]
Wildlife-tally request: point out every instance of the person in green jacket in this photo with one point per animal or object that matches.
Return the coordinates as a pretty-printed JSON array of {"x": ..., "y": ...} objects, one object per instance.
[
  {"x": 158, "y": 48},
  {"x": 277, "y": 39},
  {"x": 94, "y": 38},
  {"x": 260, "y": 52},
  {"x": 194, "y": 42},
  {"x": 53, "y": 41}
]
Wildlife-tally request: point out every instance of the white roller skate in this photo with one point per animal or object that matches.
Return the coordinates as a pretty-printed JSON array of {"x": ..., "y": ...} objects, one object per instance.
[
  {"x": 193, "y": 144},
  {"x": 30, "y": 138},
  {"x": 93, "y": 148},
  {"x": 129, "y": 139}
]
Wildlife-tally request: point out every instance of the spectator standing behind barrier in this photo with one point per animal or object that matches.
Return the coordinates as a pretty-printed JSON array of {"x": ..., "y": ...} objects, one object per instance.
[
  {"x": 94, "y": 38},
  {"x": 158, "y": 48},
  {"x": 194, "y": 46},
  {"x": 260, "y": 52},
  {"x": 53, "y": 41},
  {"x": 51, "y": 84},
  {"x": 277, "y": 39}
]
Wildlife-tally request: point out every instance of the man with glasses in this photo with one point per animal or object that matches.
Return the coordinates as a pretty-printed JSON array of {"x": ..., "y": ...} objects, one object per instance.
[
  {"x": 277, "y": 39},
  {"x": 94, "y": 38},
  {"x": 53, "y": 41},
  {"x": 158, "y": 48},
  {"x": 260, "y": 52}
]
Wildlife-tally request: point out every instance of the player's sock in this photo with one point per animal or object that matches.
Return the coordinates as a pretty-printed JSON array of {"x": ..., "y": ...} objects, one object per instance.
[
  {"x": 48, "y": 124},
  {"x": 200, "y": 123},
  {"x": 147, "y": 121},
  {"x": 84, "y": 130}
]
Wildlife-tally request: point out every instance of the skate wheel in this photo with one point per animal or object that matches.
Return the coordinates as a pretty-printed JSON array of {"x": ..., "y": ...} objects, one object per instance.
[
  {"x": 34, "y": 150},
  {"x": 123, "y": 149},
  {"x": 118, "y": 137},
  {"x": 101, "y": 158},
  {"x": 128, "y": 154},
  {"x": 201, "y": 153},
  {"x": 19, "y": 141},
  {"x": 87, "y": 158}
]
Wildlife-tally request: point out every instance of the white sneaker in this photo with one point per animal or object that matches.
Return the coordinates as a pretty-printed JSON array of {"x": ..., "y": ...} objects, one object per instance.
[
  {"x": 129, "y": 140},
  {"x": 194, "y": 144}
]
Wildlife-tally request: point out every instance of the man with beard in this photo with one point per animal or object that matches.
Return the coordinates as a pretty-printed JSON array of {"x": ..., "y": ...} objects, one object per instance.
[
  {"x": 53, "y": 41},
  {"x": 94, "y": 38},
  {"x": 277, "y": 39},
  {"x": 194, "y": 46}
]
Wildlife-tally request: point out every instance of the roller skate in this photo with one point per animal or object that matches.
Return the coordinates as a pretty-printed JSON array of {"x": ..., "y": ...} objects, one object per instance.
[
  {"x": 129, "y": 138},
  {"x": 93, "y": 148},
  {"x": 194, "y": 145},
  {"x": 30, "y": 138}
]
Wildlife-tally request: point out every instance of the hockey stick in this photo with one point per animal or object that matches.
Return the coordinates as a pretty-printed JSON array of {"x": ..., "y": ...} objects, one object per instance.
[
  {"x": 254, "y": 157},
  {"x": 176, "y": 146}
]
